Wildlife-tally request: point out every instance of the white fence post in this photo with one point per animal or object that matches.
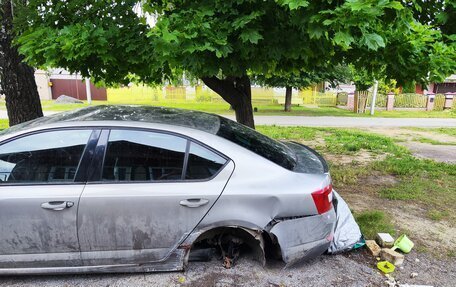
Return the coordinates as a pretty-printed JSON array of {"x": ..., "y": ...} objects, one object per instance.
[{"x": 374, "y": 98}]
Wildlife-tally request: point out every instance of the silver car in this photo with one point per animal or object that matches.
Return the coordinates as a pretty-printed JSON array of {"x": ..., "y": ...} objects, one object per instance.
[{"x": 141, "y": 189}]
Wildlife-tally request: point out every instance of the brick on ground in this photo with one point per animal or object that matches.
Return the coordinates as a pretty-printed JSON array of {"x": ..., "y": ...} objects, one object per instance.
[
  {"x": 385, "y": 240},
  {"x": 373, "y": 247},
  {"x": 392, "y": 256}
]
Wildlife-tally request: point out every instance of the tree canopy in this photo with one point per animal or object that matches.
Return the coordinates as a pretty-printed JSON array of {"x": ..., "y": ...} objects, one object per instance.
[{"x": 222, "y": 42}]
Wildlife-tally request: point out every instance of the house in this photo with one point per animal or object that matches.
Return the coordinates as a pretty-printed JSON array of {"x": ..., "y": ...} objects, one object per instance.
[
  {"x": 448, "y": 86},
  {"x": 54, "y": 83}
]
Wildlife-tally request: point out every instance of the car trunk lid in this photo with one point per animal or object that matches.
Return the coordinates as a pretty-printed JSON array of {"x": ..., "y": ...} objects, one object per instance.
[{"x": 307, "y": 159}]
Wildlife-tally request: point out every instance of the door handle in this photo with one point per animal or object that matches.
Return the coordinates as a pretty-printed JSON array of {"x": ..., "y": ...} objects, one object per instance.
[
  {"x": 57, "y": 205},
  {"x": 194, "y": 202}
]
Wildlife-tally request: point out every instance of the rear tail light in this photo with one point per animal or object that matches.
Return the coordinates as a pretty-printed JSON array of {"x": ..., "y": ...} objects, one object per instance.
[{"x": 323, "y": 199}]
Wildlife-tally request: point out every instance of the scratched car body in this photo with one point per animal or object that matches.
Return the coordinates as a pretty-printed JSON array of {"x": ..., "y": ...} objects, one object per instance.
[{"x": 141, "y": 189}]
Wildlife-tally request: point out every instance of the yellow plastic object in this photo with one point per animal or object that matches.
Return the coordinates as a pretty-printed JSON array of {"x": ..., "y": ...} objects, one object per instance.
[
  {"x": 403, "y": 243},
  {"x": 385, "y": 267}
]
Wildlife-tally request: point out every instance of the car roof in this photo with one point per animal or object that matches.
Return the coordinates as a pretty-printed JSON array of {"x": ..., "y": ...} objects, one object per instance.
[{"x": 149, "y": 114}]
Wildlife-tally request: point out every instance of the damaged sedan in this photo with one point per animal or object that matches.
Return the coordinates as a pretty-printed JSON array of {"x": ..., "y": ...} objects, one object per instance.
[{"x": 141, "y": 189}]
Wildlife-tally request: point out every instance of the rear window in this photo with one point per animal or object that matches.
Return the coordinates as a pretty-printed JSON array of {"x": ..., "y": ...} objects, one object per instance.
[{"x": 256, "y": 142}]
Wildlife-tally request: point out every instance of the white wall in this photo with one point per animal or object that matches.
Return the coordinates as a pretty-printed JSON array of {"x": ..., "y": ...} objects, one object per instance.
[{"x": 42, "y": 83}]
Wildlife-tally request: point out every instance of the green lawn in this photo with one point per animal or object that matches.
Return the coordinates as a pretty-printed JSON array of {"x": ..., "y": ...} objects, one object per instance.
[
  {"x": 263, "y": 109},
  {"x": 3, "y": 124}
]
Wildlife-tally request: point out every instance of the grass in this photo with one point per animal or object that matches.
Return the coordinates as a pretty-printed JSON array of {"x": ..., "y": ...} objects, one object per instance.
[
  {"x": 4, "y": 124},
  {"x": 221, "y": 107},
  {"x": 337, "y": 141},
  {"x": 437, "y": 215},
  {"x": 373, "y": 222},
  {"x": 289, "y": 133},
  {"x": 343, "y": 141},
  {"x": 432, "y": 141},
  {"x": 445, "y": 131}
]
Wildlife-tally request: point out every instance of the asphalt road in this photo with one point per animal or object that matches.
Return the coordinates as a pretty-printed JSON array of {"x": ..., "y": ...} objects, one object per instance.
[{"x": 349, "y": 122}]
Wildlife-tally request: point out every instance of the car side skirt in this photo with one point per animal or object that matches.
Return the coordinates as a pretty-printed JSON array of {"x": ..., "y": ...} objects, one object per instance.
[{"x": 175, "y": 262}]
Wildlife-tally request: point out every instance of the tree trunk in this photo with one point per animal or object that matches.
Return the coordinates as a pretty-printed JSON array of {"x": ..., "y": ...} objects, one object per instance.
[
  {"x": 288, "y": 93},
  {"x": 17, "y": 79},
  {"x": 236, "y": 91}
]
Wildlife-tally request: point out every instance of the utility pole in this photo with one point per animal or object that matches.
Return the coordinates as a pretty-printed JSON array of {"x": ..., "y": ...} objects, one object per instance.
[
  {"x": 88, "y": 91},
  {"x": 374, "y": 97}
]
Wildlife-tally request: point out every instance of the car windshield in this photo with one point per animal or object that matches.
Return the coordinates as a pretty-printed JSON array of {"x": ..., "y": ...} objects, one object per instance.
[{"x": 254, "y": 141}]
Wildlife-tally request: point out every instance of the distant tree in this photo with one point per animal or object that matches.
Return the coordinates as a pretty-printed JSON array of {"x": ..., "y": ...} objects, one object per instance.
[
  {"x": 332, "y": 74},
  {"x": 17, "y": 79},
  {"x": 223, "y": 42}
]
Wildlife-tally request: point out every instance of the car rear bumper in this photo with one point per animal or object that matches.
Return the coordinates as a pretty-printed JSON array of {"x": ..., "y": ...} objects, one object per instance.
[{"x": 304, "y": 238}]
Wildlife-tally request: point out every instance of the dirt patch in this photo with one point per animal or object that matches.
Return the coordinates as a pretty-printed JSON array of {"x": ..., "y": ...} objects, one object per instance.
[
  {"x": 438, "y": 237},
  {"x": 381, "y": 179},
  {"x": 408, "y": 138},
  {"x": 410, "y": 135},
  {"x": 362, "y": 157}
]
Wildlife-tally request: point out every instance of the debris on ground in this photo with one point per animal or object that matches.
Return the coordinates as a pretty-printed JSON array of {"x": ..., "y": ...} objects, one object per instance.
[
  {"x": 385, "y": 240},
  {"x": 392, "y": 256},
  {"x": 403, "y": 243},
  {"x": 373, "y": 247},
  {"x": 386, "y": 267},
  {"x": 64, "y": 99},
  {"x": 347, "y": 235}
]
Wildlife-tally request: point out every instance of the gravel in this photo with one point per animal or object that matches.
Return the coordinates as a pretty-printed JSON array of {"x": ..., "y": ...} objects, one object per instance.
[{"x": 356, "y": 268}]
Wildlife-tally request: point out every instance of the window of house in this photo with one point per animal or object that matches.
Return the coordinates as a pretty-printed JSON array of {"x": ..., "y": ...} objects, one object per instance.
[
  {"x": 202, "y": 163},
  {"x": 143, "y": 156},
  {"x": 46, "y": 157}
]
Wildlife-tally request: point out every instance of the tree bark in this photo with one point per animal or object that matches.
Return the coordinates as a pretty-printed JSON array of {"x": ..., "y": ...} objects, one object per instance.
[
  {"x": 288, "y": 94},
  {"x": 17, "y": 79},
  {"x": 237, "y": 92}
]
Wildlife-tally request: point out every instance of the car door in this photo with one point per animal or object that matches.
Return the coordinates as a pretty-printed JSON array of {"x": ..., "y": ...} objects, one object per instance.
[
  {"x": 153, "y": 190},
  {"x": 40, "y": 186}
]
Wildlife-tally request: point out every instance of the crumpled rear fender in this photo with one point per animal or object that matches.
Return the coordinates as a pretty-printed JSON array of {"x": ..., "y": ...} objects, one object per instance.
[{"x": 304, "y": 238}]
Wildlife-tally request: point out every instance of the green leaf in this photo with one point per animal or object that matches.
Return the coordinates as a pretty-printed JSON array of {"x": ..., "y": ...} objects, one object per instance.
[
  {"x": 328, "y": 22},
  {"x": 293, "y": 4},
  {"x": 315, "y": 31},
  {"x": 167, "y": 36},
  {"x": 343, "y": 39},
  {"x": 251, "y": 36},
  {"x": 357, "y": 5},
  {"x": 395, "y": 5},
  {"x": 373, "y": 41}
]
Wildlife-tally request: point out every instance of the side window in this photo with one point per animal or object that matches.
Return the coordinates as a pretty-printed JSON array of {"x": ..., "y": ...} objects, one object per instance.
[
  {"x": 202, "y": 163},
  {"x": 143, "y": 156},
  {"x": 45, "y": 157}
]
